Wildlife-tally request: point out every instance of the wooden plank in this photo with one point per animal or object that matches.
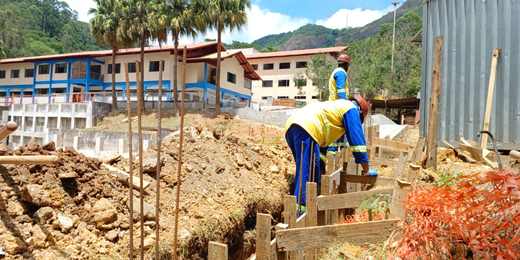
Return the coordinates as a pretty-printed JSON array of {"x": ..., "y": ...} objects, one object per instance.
[
  {"x": 390, "y": 144},
  {"x": 301, "y": 221},
  {"x": 329, "y": 166},
  {"x": 414, "y": 173},
  {"x": 399, "y": 169},
  {"x": 433, "y": 120},
  {"x": 135, "y": 180},
  {"x": 387, "y": 181},
  {"x": 489, "y": 101},
  {"x": 476, "y": 152},
  {"x": 312, "y": 218},
  {"x": 30, "y": 159},
  {"x": 352, "y": 169},
  {"x": 460, "y": 153},
  {"x": 338, "y": 157},
  {"x": 263, "y": 236},
  {"x": 319, "y": 237},
  {"x": 334, "y": 177},
  {"x": 401, "y": 190},
  {"x": 347, "y": 200},
  {"x": 382, "y": 162},
  {"x": 417, "y": 155},
  {"x": 217, "y": 251},
  {"x": 290, "y": 216}
]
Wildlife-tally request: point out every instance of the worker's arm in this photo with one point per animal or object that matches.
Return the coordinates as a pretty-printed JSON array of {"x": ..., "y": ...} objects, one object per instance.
[
  {"x": 341, "y": 83},
  {"x": 356, "y": 138}
]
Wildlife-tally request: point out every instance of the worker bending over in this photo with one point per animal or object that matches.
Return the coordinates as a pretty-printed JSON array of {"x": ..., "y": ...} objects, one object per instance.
[
  {"x": 315, "y": 127},
  {"x": 338, "y": 89}
]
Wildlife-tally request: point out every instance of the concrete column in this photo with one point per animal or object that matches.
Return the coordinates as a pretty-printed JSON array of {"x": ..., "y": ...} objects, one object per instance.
[
  {"x": 89, "y": 122},
  {"x": 73, "y": 116},
  {"x": 77, "y": 142},
  {"x": 46, "y": 122},
  {"x": 100, "y": 141},
  {"x": 5, "y": 115},
  {"x": 57, "y": 140},
  {"x": 146, "y": 144},
  {"x": 123, "y": 146},
  {"x": 58, "y": 124}
]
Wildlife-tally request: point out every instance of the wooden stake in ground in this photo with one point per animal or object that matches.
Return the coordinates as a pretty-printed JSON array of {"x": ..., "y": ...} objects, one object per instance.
[
  {"x": 433, "y": 121},
  {"x": 489, "y": 101}
]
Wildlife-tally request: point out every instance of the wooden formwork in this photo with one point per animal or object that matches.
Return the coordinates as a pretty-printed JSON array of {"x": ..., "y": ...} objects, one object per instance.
[{"x": 342, "y": 189}]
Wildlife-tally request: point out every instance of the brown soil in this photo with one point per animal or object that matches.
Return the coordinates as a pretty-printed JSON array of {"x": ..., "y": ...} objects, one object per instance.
[{"x": 228, "y": 175}]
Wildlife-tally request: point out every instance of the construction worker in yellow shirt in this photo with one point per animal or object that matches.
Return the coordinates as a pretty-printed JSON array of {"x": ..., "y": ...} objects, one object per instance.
[
  {"x": 338, "y": 89},
  {"x": 315, "y": 127}
]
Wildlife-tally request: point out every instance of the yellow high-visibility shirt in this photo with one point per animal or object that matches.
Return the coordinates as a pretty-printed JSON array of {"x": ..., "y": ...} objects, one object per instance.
[
  {"x": 336, "y": 89},
  {"x": 322, "y": 120}
]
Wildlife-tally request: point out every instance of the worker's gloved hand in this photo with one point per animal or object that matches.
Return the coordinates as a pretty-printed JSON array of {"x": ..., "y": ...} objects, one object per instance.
[{"x": 371, "y": 172}]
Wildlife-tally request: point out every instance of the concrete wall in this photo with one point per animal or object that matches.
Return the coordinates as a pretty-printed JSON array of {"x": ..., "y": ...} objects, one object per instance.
[
  {"x": 85, "y": 141},
  {"x": 22, "y": 80},
  {"x": 34, "y": 120},
  {"x": 277, "y": 118}
]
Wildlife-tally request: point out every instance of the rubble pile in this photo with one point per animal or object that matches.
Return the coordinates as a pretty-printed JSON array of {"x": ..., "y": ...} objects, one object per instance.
[{"x": 227, "y": 175}]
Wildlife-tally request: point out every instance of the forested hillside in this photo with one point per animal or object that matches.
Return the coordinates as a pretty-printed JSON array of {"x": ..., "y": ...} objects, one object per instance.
[
  {"x": 41, "y": 27},
  {"x": 317, "y": 36}
]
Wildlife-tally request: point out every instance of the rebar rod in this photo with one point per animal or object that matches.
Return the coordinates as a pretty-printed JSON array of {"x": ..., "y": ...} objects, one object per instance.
[
  {"x": 159, "y": 164},
  {"x": 130, "y": 160},
  {"x": 177, "y": 198},
  {"x": 140, "y": 104}
]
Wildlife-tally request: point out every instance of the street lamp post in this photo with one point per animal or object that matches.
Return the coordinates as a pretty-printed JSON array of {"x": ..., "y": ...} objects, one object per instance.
[{"x": 393, "y": 37}]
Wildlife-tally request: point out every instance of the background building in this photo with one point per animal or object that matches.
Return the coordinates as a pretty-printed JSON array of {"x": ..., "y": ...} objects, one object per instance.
[
  {"x": 68, "y": 77},
  {"x": 277, "y": 70}
]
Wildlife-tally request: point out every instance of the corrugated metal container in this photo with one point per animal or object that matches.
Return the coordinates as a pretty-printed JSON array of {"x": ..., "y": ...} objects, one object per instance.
[{"x": 471, "y": 30}]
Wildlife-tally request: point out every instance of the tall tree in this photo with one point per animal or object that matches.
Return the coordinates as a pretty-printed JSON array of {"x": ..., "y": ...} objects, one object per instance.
[
  {"x": 318, "y": 70},
  {"x": 178, "y": 18},
  {"x": 104, "y": 29},
  {"x": 138, "y": 23},
  {"x": 222, "y": 14}
]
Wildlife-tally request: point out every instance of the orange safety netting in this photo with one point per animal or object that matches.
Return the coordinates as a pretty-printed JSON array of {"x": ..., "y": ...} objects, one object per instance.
[{"x": 477, "y": 215}]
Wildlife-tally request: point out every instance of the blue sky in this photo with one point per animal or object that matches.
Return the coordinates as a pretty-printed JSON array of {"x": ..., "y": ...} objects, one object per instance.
[{"x": 277, "y": 16}]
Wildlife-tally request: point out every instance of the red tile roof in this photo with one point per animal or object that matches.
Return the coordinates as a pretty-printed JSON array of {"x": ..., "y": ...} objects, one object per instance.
[
  {"x": 249, "y": 72},
  {"x": 333, "y": 51},
  {"x": 95, "y": 54}
]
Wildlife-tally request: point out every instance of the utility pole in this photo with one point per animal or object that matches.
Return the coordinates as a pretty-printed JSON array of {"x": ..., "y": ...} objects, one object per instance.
[{"x": 393, "y": 37}]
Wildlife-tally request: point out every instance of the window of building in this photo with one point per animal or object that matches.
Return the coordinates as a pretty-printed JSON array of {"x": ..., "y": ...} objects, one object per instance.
[
  {"x": 2, "y": 74},
  {"x": 44, "y": 69},
  {"x": 231, "y": 78},
  {"x": 283, "y": 83},
  {"x": 15, "y": 74},
  {"x": 267, "y": 83},
  {"x": 314, "y": 97},
  {"x": 300, "y": 82},
  {"x": 60, "y": 68},
  {"x": 154, "y": 65},
  {"x": 118, "y": 68},
  {"x": 29, "y": 73},
  {"x": 255, "y": 66},
  {"x": 268, "y": 66},
  {"x": 42, "y": 91},
  {"x": 131, "y": 67},
  {"x": 284, "y": 65},
  {"x": 283, "y": 97},
  {"x": 266, "y": 97},
  {"x": 301, "y": 64},
  {"x": 248, "y": 83},
  {"x": 300, "y": 97}
]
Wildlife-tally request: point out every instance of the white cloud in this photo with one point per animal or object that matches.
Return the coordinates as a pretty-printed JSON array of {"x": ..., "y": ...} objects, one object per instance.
[
  {"x": 82, "y": 7},
  {"x": 260, "y": 23},
  {"x": 356, "y": 18}
]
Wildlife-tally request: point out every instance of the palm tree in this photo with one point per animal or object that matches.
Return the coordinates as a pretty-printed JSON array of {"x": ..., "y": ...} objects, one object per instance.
[
  {"x": 177, "y": 17},
  {"x": 221, "y": 14},
  {"x": 139, "y": 25},
  {"x": 103, "y": 28}
]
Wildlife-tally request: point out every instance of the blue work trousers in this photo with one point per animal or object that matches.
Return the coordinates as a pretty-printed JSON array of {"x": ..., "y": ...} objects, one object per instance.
[{"x": 296, "y": 136}]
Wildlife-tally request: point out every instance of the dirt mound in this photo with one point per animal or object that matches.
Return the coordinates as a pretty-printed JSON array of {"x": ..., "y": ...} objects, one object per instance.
[{"x": 230, "y": 170}]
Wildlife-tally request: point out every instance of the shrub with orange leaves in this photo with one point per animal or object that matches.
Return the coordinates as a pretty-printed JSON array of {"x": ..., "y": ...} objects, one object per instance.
[{"x": 477, "y": 215}]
